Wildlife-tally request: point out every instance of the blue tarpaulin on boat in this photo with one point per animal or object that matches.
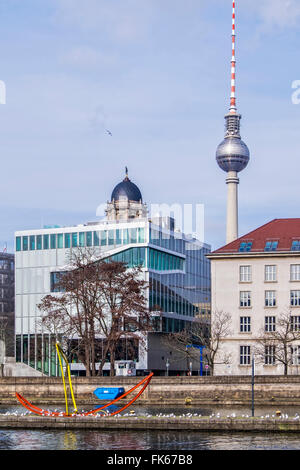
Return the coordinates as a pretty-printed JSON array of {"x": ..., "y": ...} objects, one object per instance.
[{"x": 109, "y": 393}]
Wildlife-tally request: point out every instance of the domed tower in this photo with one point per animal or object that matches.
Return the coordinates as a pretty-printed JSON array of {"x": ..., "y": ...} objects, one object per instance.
[
  {"x": 126, "y": 202},
  {"x": 232, "y": 154}
]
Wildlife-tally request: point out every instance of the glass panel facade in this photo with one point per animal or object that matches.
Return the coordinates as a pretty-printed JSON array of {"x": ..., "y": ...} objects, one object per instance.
[
  {"x": 60, "y": 240},
  {"x": 18, "y": 244},
  {"x": 125, "y": 236},
  {"x": 53, "y": 241},
  {"x": 131, "y": 257},
  {"x": 118, "y": 237},
  {"x": 89, "y": 239},
  {"x": 55, "y": 278},
  {"x": 74, "y": 240},
  {"x": 82, "y": 239},
  {"x": 104, "y": 238},
  {"x": 46, "y": 242},
  {"x": 110, "y": 237},
  {"x": 96, "y": 238},
  {"x": 67, "y": 240},
  {"x": 161, "y": 261},
  {"x": 32, "y": 242},
  {"x": 25, "y": 243},
  {"x": 39, "y": 242},
  {"x": 185, "y": 293}
]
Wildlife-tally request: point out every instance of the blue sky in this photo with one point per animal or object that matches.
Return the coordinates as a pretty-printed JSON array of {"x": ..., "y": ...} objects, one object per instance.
[{"x": 157, "y": 75}]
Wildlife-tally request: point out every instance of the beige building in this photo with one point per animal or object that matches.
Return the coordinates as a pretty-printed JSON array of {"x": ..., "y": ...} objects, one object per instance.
[{"x": 256, "y": 279}]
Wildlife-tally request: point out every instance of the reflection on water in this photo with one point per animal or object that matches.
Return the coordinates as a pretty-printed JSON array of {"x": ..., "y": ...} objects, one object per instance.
[
  {"x": 152, "y": 440},
  {"x": 144, "y": 440}
]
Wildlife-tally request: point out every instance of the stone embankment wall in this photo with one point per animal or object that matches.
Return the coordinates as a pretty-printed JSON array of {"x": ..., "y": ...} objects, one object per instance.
[
  {"x": 159, "y": 424},
  {"x": 162, "y": 390}
]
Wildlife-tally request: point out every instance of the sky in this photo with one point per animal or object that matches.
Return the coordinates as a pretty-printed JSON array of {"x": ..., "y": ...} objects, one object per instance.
[{"x": 156, "y": 74}]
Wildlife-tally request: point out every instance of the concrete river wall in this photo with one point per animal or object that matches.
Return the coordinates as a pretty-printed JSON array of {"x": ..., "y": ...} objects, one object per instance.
[{"x": 269, "y": 390}]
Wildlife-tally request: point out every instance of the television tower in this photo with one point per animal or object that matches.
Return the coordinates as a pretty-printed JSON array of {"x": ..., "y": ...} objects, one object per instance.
[{"x": 232, "y": 154}]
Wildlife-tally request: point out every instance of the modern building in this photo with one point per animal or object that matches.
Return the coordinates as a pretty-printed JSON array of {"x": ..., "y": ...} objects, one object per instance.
[
  {"x": 256, "y": 279},
  {"x": 232, "y": 154},
  {"x": 175, "y": 266}
]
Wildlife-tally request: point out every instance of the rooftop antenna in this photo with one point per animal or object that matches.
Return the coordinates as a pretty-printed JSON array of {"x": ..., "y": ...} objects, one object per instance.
[{"x": 233, "y": 108}]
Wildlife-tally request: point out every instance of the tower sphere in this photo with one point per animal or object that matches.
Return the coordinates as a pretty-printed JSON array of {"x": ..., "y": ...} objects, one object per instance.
[{"x": 232, "y": 154}]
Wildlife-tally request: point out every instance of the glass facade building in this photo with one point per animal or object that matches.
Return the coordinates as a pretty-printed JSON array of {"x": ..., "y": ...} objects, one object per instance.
[{"x": 175, "y": 267}]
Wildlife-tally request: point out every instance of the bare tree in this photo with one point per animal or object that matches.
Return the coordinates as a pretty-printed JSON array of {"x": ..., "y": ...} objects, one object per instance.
[
  {"x": 7, "y": 333},
  {"x": 98, "y": 301},
  {"x": 203, "y": 333},
  {"x": 278, "y": 345}
]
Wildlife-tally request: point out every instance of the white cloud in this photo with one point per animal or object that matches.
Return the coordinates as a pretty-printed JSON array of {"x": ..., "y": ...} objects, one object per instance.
[
  {"x": 88, "y": 57},
  {"x": 276, "y": 13},
  {"x": 123, "y": 20}
]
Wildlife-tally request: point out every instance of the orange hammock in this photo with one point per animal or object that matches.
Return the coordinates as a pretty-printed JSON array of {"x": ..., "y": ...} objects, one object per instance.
[{"x": 39, "y": 411}]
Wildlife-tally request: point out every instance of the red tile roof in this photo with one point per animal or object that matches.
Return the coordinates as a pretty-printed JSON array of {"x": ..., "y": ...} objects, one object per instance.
[{"x": 282, "y": 230}]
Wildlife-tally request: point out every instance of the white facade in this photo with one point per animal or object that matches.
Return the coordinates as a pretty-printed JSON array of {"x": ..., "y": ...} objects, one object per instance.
[
  {"x": 33, "y": 268},
  {"x": 255, "y": 288}
]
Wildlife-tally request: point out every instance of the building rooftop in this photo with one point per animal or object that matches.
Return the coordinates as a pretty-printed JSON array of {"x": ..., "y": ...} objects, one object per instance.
[{"x": 279, "y": 235}]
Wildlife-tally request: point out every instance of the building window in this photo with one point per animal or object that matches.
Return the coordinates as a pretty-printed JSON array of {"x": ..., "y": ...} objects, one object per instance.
[
  {"x": 295, "y": 298},
  {"x": 295, "y": 245},
  {"x": 244, "y": 355},
  {"x": 141, "y": 235},
  {"x": 46, "y": 242},
  {"x": 74, "y": 240},
  {"x": 245, "y": 324},
  {"x": 111, "y": 237},
  {"x": 67, "y": 240},
  {"x": 118, "y": 237},
  {"x": 270, "y": 324},
  {"x": 270, "y": 355},
  {"x": 18, "y": 244},
  {"x": 245, "y": 246},
  {"x": 25, "y": 243},
  {"x": 295, "y": 272},
  {"x": 55, "y": 279},
  {"x": 81, "y": 239},
  {"x": 103, "y": 238},
  {"x": 39, "y": 242},
  {"x": 270, "y": 273},
  {"x": 32, "y": 242},
  {"x": 295, "y": 323},
  {"x": 245, "y": 299},
  {"x": 245, "y": 274},
  {"x": 60, "y": 240},
  {"x": 89, "y": 239},
  {"x": 271, "y": 246},
  {"x": 53, "y": 241},
  {"x": 270, "y": 298},
  {"x": 295, "y": 353},
  {"x": 133, "y": 234}
]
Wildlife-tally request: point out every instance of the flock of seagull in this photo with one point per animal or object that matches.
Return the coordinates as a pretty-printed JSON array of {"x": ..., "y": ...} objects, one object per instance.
[{"x": 169, "y": 415}]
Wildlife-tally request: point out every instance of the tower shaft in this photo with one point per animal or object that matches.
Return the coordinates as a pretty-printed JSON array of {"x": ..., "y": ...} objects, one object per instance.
[{"x": 232, "y": 182}]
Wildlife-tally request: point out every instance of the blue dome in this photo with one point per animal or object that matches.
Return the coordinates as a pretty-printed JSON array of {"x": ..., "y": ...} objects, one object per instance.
[{"x": 126, "y": 189}]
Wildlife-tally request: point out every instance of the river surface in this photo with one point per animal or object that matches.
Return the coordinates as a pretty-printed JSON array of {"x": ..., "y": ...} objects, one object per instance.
[{"x": 153, "y": 440}]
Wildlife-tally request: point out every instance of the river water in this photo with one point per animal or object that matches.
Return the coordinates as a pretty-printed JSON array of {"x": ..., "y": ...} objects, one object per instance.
[{"x": 153, "y": 440}]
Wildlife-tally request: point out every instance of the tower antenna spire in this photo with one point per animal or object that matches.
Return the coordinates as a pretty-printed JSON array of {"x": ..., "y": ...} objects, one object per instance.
[{"x": 233, "y": 108}]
